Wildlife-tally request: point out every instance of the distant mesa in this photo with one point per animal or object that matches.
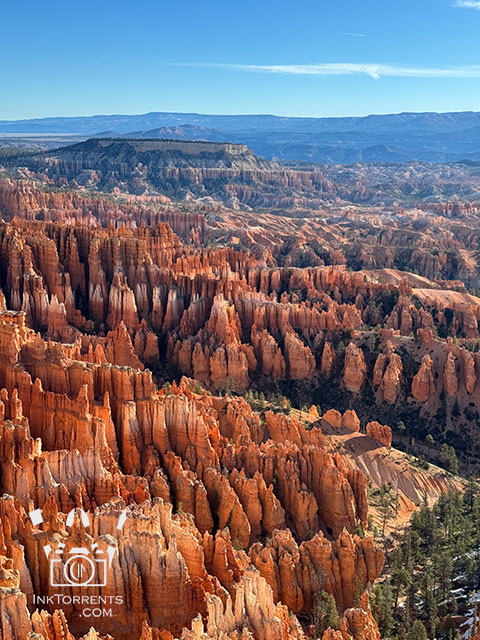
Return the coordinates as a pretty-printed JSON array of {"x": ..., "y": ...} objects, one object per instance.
[
  {"x": 190, "y": 147},
  {"x": 179, "y": 169}
]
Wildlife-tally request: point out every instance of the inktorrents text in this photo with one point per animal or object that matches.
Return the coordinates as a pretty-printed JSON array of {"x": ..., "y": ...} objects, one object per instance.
[{"x": 94, "y": 606}]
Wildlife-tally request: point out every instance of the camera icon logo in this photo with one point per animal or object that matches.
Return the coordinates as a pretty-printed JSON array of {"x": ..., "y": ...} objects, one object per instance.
[
  {"x": 78, "y": 566},
  {"x": 79, "y": 569}
]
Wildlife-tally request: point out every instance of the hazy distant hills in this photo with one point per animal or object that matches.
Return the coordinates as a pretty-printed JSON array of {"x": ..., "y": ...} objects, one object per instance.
[
  {"x": 181, "y": 132},
  {"x": 404, "y": 137},
  {"x": 433, "y": 122}
]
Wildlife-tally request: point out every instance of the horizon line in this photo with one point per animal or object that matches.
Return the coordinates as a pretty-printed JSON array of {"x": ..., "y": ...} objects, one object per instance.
[{"x": 5, "y": 121}]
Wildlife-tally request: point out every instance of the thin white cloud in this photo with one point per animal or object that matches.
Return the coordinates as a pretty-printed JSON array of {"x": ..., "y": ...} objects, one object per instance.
[
  {"x": 467, "y": 4},
  {"x": 354, "y": 35},
  {"x": 374, "y": 70}
]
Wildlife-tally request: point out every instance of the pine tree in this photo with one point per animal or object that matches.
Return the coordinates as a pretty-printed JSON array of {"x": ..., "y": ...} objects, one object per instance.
[
  {"x": 471, "y": 491},
  {"x": 401, "y": 427},
  {"x": 332, "y": 618},
  {"x": 448, "y": 626},
  {"x": 231, "y": 386},
  {"x": 429, "y": 601},
  {"x": 417, "y": 632},
  {"x": 448, "y": 458},
  {"x": 389, "y": 504},
  {"x": 383, "y": 607},
  {"x": 401, "y": 571},
  {"x": 430, "y": 442},
  {"x": 446, "y": 571},
  {"x": 453, "y": 461},
  {"x": 325, "y": 613}
]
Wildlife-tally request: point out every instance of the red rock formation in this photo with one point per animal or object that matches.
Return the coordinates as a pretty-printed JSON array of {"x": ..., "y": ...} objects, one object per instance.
[
  {"x": 357, "y": 624},
  {"x": 469, "y": 371},
  {"x": 254, "y": 615},
  {"x": 225, "y": 361},
  {"x": 350, "y": 420},
  {"x": 268, "y": 354},
  {"x": 423, "y": 384},
  {"x": 387, "y": 373},
  {"x": 333, "y": 417},
  {"x": 380, "y": 433},
  {"x": 235, "y": 518},
  {"x": 15, "y": 623},
  {"x": 232, "y": 480},
  {"x": 450, "y": 381},
  {"x": 355, "y": 368},
  {"x": 119, "y": 349},
  {"x": 24, "y": 200},
  {"x": 300, "y": 360},
  {"x": 146, "y": 344},
  {"x": 214, "y": 167},
  {"x": 316, "y": 565},
  {"x": 122, "y": 306},
  {"x": 145, "y": 276},
  {"x": 328, "y": 356},
  {"x": 425, "y": 335}
]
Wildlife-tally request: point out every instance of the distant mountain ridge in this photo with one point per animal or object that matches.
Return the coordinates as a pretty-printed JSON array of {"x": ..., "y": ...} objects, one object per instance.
[
  {"x": 403, "y": 137},
  {"x": 127, "y": 123}
]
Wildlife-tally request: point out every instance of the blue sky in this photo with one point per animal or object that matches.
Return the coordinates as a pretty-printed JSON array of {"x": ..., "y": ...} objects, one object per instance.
[{"x": 295, "y": 57}]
